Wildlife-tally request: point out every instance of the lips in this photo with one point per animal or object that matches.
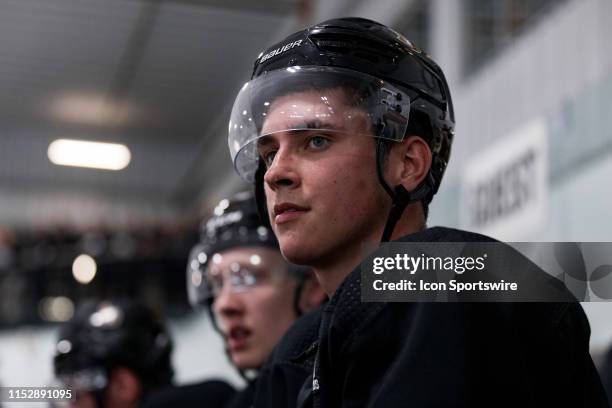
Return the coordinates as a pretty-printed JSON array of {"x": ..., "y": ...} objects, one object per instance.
[
  {"x": 238, "y": 338},
  {"x": 286, "y": 212}
]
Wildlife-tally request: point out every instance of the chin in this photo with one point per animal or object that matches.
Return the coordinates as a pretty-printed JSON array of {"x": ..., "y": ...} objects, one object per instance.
[
  {"x": 297, "y": 254},
  {"x": 301, "y": 244}
]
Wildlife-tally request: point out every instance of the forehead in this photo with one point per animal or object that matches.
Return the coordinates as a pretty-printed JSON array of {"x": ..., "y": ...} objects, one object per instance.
[{"x": 313, "y": 109}]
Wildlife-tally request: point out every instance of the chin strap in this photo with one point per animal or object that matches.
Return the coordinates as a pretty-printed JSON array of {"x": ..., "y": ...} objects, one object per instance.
[{"x": 400, "y": 197}]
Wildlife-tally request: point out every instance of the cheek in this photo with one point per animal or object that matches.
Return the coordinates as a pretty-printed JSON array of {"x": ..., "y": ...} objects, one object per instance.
[
  {"x": 351, "y": 188},
  {"x": 272, "y": 311},
  {"x": 270, "y": 198}
]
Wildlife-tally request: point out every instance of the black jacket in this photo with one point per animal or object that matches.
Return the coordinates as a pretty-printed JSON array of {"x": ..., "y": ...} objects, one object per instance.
[
  {"x": 206, "y": 394},
  {"x": 606, "y": 374},
  {"x": 243, "y": 398},
  {"x": 433, "y": 354}
]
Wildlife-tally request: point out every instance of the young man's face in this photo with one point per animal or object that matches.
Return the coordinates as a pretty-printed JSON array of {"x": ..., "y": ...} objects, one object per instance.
[
  {"x": 322, "y": 192},
  {"x": 253, "y": 317}
]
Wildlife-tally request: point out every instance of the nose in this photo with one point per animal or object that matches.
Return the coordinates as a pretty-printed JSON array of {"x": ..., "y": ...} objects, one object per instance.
[
  {"x": 283, "y": 171},
  {"x": 228, "y": 303}
]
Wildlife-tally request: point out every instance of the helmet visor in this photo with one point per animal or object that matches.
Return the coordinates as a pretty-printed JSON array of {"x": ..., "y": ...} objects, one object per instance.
[
  {"x": 90, "y": 379},
  {"x": 208, "y": 273},
  {"x": 313, "y": 98}
]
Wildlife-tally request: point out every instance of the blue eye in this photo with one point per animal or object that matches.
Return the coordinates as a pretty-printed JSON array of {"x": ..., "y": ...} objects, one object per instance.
[{"x": 318, "y": 142}]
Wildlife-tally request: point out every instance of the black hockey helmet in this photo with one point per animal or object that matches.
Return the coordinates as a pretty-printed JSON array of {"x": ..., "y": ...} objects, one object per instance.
[
  {"x": 400, "y": 88},
  {"x": 104, "y": 335},
  {"x": 235, "y": 223}
]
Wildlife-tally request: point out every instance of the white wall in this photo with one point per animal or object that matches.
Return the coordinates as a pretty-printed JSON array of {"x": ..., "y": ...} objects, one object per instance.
[
  {"x": 550, "y": 64},
  {"x": 555, "y": 62}
]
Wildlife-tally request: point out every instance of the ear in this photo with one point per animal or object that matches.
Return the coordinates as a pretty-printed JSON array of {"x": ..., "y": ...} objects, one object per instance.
[
  {"x": 408, "y": 162},
  {"x": 124, "y": 388},
  {"x": 312, "y": 294}
]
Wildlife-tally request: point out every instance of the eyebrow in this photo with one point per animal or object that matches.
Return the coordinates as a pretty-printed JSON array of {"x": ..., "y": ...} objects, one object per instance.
[
  {"x": 264, "y": 141},
  {"x": 316, "y": 124},
  {"x": 308, "y": 126}
]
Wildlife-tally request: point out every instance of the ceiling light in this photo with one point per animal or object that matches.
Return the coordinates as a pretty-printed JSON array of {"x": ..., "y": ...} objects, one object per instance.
[
  {"x": 96, "y": 155},
  {"x": 84, "y": 269},
  {"x": 56, "y": 309}
]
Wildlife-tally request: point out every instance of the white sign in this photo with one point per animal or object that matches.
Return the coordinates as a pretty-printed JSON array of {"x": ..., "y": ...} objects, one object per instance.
[{"x": 504, "y": 188}]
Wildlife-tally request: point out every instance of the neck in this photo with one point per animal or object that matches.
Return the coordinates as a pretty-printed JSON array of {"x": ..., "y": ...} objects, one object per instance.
[{"x": 332, "y": 270}]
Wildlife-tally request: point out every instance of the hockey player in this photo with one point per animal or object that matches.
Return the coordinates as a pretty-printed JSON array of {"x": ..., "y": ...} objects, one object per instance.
[
  {"x": 253, "y": 294},
  {"x": 113, "y": 354},
  {"x": 345, "y": 129}
]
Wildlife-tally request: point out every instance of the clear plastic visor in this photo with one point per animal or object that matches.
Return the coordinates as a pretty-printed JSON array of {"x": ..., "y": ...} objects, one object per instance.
[
  {"x": 313, "y": 98},
  {"x": 90, "y": 379},
  {"x": 208, "y": 274}
]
